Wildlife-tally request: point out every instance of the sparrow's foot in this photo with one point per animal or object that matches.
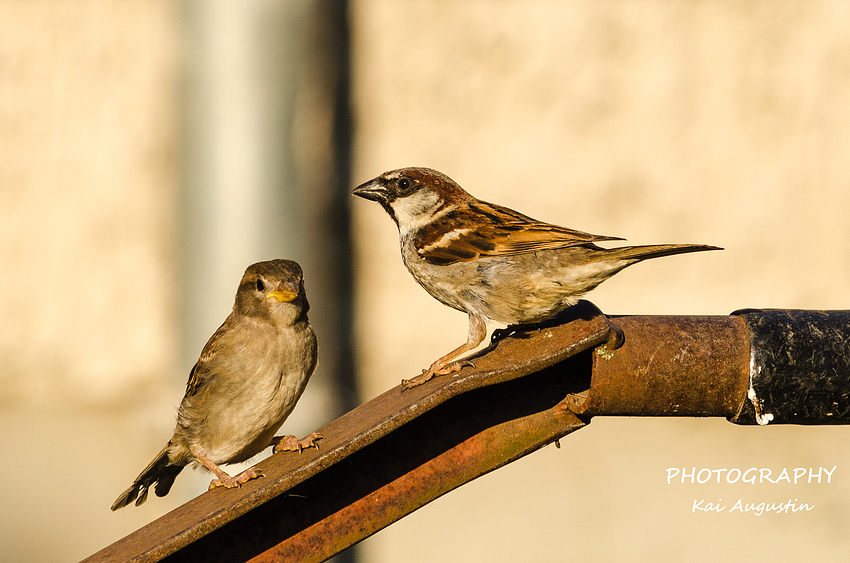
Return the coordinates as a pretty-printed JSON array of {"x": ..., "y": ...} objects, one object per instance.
[
  {"x": 501, "y": 333},
  {"x": 225, "y": 480},
  {"x": 293, "y": 444},
  {"x": 616, "y": 336},
  {"x": 453, "y": 367},
  {"x": 432, "y": 372},
  {"x": 426, "y": 375}
]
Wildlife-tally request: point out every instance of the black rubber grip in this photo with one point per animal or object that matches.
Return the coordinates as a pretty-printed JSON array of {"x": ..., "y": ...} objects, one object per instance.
[{"x": 799, "y": 367}]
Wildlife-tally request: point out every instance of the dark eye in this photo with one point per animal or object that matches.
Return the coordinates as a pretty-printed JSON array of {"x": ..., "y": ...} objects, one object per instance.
[
  {"x": 404, "y": 184},
  {"x": 260, "y": 285}
]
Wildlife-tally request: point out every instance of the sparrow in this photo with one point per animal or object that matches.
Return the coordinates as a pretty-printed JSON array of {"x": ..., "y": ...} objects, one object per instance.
[
  {"x": 489, "y": 261},
  {"x": 246, "y": 382}
]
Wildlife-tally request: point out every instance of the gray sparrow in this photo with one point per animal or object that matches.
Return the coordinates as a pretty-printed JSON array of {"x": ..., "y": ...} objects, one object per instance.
[
  {"x": 491, "y": 262},
  {"x": 250, "y": 374}
]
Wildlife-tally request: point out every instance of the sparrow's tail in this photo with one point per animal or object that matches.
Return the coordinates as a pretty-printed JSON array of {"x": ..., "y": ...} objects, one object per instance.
[
  {"x": 636, "y": 253},
  {"x": 159, "y": 474}
]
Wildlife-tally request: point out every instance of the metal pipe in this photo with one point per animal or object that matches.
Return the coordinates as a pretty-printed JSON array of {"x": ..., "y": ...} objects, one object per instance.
[{"x": 670, "y": 366}]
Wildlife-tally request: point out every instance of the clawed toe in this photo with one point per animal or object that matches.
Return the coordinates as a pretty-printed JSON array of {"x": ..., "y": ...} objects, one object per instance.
[
  {"x": 432, "y": 372},
  {"x": 234, "y": 482},
  {"x": 293, "y": 444},
  {"x": 426, "y": 375},
  {"x": 455, "y": 366}
]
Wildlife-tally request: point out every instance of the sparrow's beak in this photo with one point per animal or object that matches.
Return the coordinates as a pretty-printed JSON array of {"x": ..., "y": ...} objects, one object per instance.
[
  {"x": 373, "y": 189},
  {"x": 284, "y": 294}
]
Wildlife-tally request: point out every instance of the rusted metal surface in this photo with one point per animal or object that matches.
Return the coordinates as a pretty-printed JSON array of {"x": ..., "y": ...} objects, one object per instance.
[
  {"x": 512, "y": 357},
  {"x": 450, "y": 445},
  {"x": 670, "y": 366}
]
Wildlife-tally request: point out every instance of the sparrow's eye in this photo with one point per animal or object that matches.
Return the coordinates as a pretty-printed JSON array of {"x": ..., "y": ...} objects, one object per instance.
[
  {"x": 404, "y": 184},
  {"x": 260, "y": 285}
]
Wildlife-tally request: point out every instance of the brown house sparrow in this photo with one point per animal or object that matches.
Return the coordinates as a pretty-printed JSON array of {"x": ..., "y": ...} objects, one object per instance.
[
  {"x": 489, "y": 261},
  {"x": 250, "y": 374}
]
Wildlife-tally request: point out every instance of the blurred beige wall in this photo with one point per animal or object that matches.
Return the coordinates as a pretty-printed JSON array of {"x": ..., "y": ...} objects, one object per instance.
[
  {"x": 88, "y": 186},
  {"x": 88, "y": 192},
  {"x": 719, "y": 122},
  {"x": 149, "y": 152}
]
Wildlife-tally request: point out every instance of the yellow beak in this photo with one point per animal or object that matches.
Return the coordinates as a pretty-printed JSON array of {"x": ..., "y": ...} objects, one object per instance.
[{"x": 282, "y": 295}]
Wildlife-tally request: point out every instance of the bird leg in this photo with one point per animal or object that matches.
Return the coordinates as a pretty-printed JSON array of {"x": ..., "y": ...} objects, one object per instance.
[
  {"x": 223, "y": 479},
  {"x": 445, "y": 365},
  {"x": 291, "y": 443}
]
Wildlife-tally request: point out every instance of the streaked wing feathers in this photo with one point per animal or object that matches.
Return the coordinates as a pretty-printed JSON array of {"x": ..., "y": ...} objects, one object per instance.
[
  {"x": 484, "y": 229},
  {"x": 201, "y": 370}
]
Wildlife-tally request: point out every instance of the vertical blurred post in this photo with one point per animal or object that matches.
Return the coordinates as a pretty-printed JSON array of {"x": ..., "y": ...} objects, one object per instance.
[{"x": 266, "y": 160}]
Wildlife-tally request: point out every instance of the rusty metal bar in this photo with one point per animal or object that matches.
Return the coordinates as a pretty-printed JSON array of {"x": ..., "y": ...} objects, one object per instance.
[
  {"x": 450, "y": 445},
  {"x": 400, "y": 451}
]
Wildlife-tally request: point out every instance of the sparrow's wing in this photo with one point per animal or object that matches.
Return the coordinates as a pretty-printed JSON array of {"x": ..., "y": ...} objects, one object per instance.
[
  {"x": 202, "y": 371},
  {"x": 485, "y": 229}
]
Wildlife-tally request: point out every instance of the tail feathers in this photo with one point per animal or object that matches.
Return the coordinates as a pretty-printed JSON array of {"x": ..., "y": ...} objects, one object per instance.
[
  {"x": 636, "y": 253},
  {"x": 158, "y": 474}
]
